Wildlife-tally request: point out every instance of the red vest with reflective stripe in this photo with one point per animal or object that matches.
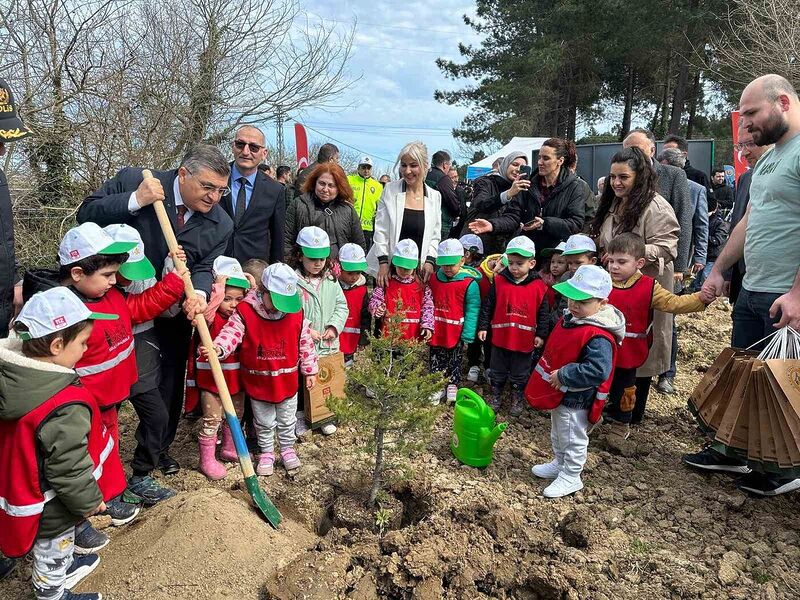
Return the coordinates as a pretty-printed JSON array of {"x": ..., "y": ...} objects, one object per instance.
[
  {"x": 270, "y": 354},
  {"x": 348, "y": 338},
  {"x": 551, "y": 297},
  {"x": 448, "y": 310},
  {"x": 635, "y": 303},
  {"x": 230, "y": 365},
  {"x": 515, "y": 310},
  {"x": 410, "y": 295},
  {"x": 564, "y": 346},
  {"x": 108, "y": 367},
  {"x": 22, "y": 499}
]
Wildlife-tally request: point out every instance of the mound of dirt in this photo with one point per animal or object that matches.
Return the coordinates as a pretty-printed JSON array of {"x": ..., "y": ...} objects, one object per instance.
[{"x": 202, "y": 544}]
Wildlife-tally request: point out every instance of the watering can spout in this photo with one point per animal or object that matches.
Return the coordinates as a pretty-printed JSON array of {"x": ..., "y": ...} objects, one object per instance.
[{"x": 490, "y": 435}]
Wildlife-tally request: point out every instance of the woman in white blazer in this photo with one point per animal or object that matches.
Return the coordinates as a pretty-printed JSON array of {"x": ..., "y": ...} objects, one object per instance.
[{"x": 407, "y": 209}]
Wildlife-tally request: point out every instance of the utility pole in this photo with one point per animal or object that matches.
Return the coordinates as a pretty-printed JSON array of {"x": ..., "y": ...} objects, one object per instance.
[{"x": 279, "y": 132}]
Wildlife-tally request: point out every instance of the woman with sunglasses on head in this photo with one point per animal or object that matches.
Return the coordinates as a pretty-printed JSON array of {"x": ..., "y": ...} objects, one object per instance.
[{"x": 326, "y": 201}]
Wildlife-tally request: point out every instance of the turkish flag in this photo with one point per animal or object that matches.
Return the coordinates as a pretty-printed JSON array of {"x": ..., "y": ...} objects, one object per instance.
[{"x": 301, "y": 144}]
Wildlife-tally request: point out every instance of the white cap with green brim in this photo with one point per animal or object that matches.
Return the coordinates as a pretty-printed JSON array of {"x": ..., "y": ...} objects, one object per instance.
[
  {"x": 281, "y": 283},
  {"x": 589, "y": 281},
  {"x": 450, "y": 252},
  {"x": 54, "y": 310},
  {"x": 138, "y": 266},
  {"x": 406, "y": 254},
  {"x": 557, "y": 250},
  {"x": 87, "y": 240},
  {"x": 470, "y": 241},
  {"x": 314, "y": 242},
  {"x": 521, "y": 245},
  {"x": 352, "y": 258},
  {"x": 225, "y": 266},
  {"x": 578, "y": 244}
]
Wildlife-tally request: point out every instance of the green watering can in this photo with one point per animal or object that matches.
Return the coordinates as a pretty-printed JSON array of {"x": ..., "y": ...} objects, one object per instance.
[{"x": 474, "y": 431}]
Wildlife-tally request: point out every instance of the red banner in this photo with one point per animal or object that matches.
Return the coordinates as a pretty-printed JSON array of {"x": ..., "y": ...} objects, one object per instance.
[
  {"x": 739, "y": 163},
  {"x": 301, "y": 143}
]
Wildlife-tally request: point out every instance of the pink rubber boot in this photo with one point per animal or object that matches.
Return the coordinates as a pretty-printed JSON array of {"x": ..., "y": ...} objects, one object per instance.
[
  {"x": 227, "y": 451},
  {"x": 209, "y": 465}
]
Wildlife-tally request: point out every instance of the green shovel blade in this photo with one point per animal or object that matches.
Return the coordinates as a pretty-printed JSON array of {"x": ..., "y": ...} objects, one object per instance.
[{"x": 264, "y": 504}]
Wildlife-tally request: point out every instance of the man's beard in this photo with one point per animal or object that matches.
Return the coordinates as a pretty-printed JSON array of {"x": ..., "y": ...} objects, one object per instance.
[{"x": 772, "y": 131}]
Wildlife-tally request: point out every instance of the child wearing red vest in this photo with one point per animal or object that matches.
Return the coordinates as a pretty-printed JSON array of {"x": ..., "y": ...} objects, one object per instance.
[
  {"x": 355, "y": 334},
  {"x": 274, "y": 341},
  {"x": 230, "y": 286},
  {"x": 473, "y": 257},
  {"x": 90, "y": 259},
  {"x": 636, "y": 296},
  {"x": 456, "y": 304},
  {"x": 554, "y": 270},
  {"x": 56, "y": 456},
  {"x": 407, "y": 290},
  {"x": 574, "y": 375},
  {"x": 515, "y": 310}
]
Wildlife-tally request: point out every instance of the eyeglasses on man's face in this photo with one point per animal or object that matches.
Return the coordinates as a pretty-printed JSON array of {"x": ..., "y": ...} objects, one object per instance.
[
  {"x": 210, "y": 188},
  {"x": 254, "y": 148}
]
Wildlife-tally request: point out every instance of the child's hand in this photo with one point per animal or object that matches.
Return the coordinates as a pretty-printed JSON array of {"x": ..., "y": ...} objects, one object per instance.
[
  {"x": 330, "y": 334},
  {"x": 179, "y": 253},
  {"x": 381, "y": 310},
  {"x": 100, "y": 508},
  {"x": 194, "y": 305},
  {"x": 554, "y": 381},
  {"x": 426, "y": 335},
  {"x": 221, "y": 279},
  {"x": 203, "y": 351},
  {"x": 706, "y": 296},
  {"x": 251, "y": 280},
  {"x": 482, "y": 335},
  {"x": 538, "y": 342},
  {"x": 315, "y": 335},
  {"x": 311, "y": 381}
]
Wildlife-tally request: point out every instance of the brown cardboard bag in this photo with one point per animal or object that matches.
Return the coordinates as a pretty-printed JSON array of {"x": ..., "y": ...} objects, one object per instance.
[
  {"x": 753, "y": 422},
  {"x": 783, "y": 377},
  {"x": 330, "y": 383},
  {"x": 711, "y": 378},
  {"x": 715, "y": 409},
  {"x": 735, "y": 416}
]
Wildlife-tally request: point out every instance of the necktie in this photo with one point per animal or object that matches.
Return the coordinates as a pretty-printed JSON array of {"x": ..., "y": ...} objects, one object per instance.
[
  {"x": 181, "y": 220},
  {"x": 240, "y": 200}
]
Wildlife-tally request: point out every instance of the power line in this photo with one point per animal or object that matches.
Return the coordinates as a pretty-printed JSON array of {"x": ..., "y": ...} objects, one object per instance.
[{"x": 388, "y": 160}]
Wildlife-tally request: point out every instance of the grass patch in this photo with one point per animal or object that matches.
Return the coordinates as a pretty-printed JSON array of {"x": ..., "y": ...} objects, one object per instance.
[
  {"x": 761, "y": 577},
  {"x": 641, "y": 547}
]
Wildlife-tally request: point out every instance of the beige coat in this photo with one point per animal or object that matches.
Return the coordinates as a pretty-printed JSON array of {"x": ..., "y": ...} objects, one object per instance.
[{"x": 659, "y": 228}]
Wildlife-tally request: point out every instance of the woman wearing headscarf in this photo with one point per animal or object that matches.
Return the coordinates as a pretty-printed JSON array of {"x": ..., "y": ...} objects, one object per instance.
[
  {"x": 493, "y": 192},
  {"x": 553, "y": 206}
]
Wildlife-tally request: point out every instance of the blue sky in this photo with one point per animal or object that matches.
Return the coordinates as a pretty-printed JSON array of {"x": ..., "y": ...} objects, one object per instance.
[{"x": 394, "y": 50}]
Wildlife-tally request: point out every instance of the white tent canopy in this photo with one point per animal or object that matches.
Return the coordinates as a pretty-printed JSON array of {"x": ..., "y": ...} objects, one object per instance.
[{"x": 528, "y": 145}]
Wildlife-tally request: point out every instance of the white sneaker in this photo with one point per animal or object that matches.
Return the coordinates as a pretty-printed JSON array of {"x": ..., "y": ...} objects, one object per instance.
[
  {"x": 547, "y": 470},
  {"x": 436, "y": 398},
  {"x": 328, "y": 429},
  {"x": 563, "y": 486},
  {"x": 452, "y": 390},
  {"x": 473, "y": 374}
]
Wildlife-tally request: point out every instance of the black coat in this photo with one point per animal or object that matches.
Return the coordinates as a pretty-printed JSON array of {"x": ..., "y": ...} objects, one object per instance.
[
  {"x": 486, "y": 204},
  {"x": 563, "y": 211},
  {"x": 204, "y": 237},
  {"x": 338, "y": 219},
  {"x": 696, "y": 175},
  {"x": 8, "y": 261},
  {"x": 259, "y": 233},
  {"x": 723, "y": 194}
]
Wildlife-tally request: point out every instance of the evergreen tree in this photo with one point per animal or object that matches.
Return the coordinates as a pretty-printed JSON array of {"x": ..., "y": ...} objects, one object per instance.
[{"x": 388, "y": 399}]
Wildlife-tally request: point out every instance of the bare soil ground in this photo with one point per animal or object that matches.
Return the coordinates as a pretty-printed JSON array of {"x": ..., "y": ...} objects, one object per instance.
[{"x": 644, "y": 527}]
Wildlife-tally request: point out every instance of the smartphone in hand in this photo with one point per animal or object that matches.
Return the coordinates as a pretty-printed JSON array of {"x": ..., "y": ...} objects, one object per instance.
[{"x": 525, "y": 172}]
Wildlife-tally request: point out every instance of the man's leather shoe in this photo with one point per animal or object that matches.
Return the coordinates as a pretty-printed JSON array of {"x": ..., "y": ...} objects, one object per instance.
[{"x": 168, "y": 465}]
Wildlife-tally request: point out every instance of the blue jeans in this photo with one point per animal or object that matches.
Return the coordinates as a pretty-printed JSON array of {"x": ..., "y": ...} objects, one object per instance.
[
  {"x": 702, "y": 276},
  {"x": 751, "y": 320}
]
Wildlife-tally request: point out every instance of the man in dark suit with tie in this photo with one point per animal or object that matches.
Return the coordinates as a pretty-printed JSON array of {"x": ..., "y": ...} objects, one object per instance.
[
  {"x": 256, "y": 203},
  {"x": 191, "y": 194}
]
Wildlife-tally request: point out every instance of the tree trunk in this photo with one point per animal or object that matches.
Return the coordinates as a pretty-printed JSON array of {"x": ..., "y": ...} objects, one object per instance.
[
  {"x": 679, "y": 98},
  {"x": 693, "y": 102},
  {"x": 628, "y": 110},
  {"x": 378, "y": 470},
  {"x": 662, "y": 125}
]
